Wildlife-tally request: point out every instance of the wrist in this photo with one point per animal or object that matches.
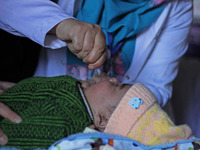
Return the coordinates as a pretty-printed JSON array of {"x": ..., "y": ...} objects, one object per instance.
[
  {"x": 62, "y": 28},
  {"x": 57, "y": 28}
]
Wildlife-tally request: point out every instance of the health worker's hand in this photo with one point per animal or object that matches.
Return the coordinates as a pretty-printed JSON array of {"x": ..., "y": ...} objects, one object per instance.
[
  {"x": 87, "y": 41},
  {"x": 5, "y": 85}
]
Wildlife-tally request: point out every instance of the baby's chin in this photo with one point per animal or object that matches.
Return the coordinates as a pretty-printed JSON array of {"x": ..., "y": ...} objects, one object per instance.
[{"x": 100, "y": 129}]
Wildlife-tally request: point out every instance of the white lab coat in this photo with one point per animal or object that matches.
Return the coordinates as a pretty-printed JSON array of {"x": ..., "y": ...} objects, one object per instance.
[{"x": 157, "y": 53}]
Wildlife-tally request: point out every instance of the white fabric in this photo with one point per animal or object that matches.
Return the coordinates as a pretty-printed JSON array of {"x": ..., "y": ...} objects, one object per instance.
[
  {"x": 34, "y": 18},
  {"x": 84, "y": 144}
]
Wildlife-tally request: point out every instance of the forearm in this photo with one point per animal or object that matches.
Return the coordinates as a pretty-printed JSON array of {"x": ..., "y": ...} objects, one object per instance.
[
  {"x": 5, "y": 85},
  {"x": 32, "y": 19}
]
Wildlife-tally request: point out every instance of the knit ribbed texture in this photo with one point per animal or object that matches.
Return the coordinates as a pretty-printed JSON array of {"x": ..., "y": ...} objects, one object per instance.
[
  {"x": 155, "y": 127},
  {"x": 51, "y": 108},
  {"x": 147, "y": 124},
  {"x": 124, "y": 116}
]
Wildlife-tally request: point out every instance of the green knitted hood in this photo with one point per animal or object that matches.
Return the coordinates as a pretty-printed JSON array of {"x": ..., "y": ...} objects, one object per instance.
[{"x": 51, "y": 109}]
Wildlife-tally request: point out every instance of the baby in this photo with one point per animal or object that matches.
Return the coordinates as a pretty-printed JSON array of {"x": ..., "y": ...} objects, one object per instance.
[
  {"x": 131, "y": 111},
  {"x": 53, "y": 108}
]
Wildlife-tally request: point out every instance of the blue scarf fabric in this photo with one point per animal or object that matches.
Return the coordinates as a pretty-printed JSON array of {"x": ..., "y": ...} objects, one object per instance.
[{"x": 121, "y": 20}]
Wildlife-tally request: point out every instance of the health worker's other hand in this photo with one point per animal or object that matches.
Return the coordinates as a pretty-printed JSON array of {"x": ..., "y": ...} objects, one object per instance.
[
  {"x": 87, "y": 41},
  {"x": 6, "y": 112},
  {"x": 5, "y": 85}
]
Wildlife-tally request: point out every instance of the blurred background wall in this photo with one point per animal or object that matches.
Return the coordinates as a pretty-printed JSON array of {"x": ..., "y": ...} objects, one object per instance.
[{"x": 18, "y": 57}]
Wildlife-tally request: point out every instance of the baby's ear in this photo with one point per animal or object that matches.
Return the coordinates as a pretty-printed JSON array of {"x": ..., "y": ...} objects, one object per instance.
[{"x": 101, "y": 122}]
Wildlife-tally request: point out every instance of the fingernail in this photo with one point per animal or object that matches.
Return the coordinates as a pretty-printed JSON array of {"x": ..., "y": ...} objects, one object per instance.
[
  {"x": 91, "y": 67},
  {"x": 18, "y": 120},
  {"x": 3, "y": 140}
]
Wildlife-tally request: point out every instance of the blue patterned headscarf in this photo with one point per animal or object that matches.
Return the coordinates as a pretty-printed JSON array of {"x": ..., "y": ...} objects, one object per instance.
[{"x": 121, "y": 20}]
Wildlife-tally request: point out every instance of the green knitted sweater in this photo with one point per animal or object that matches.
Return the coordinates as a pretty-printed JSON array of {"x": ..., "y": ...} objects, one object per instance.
[{"x": 51, "y": 108}]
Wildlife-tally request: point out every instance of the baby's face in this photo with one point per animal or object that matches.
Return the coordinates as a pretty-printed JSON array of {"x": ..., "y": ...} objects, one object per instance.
[{"x": 103, "y": 94}]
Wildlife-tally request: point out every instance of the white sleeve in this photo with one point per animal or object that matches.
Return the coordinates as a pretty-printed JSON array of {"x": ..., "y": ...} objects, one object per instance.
[
  {"x": 32, "y": 19},
  {"x": 162, "y": 66}
]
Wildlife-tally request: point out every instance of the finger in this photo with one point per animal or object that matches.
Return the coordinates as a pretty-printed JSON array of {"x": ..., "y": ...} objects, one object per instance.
[
  {"x": 5, "y": 85},
  {"x": 74, "y": 46},
  {"x": 71, "y": 47},
  {"x": 1, "y": 91},
  {"x": 96, "y": 58},
  {"x": 77, "y": 42},
  {"x": 88, "y": 44},
  {"x": 3, "y": 138},
  {"x": 6, "y": 112},
  {"x": 98, "y": 49},
  {"x": 99, "y": 62},
  {"x": 99, "y": 46},
  {"x": 76, "y": 38}
]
